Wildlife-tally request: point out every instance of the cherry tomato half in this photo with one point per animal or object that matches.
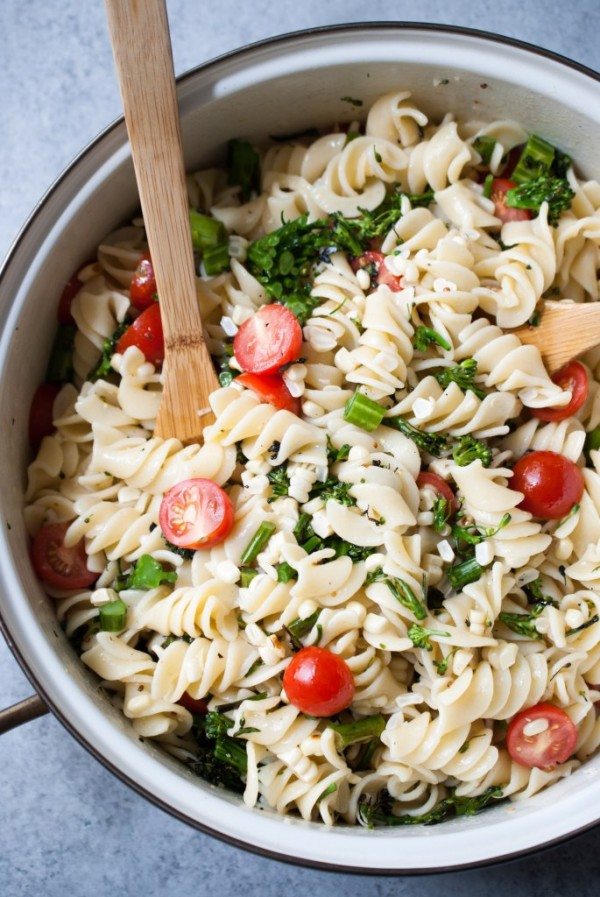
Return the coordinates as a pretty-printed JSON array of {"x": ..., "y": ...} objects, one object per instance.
[
  {"x": 40, "y": 414},
  {"x": 271, "y": 388},
  {"x": 500, "y": 187},
  {"x": 57, "y": 565},
  {"x": 269, "y": 339},
  {"x": 142, "y": 291},
  {"x": 196, "y": 514},
  {"x": 554, "y": 744},
  {"x": 194, "y": 705},
  {"x": 374, "y": 263},
  {"x": 318, "y": 682},
  {"x": 550, "y": 483},
  {"x": 147, "y": 334},
  {"x": 573, "y": 376},
  {"x": 444, "y": 490}
]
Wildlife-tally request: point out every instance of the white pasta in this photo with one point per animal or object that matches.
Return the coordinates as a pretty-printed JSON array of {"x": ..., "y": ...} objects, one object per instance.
[{"x": 370, "y": 509}]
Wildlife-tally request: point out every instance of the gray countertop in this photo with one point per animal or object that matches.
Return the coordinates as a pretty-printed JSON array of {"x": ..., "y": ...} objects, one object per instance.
[{"x": 67, "y": 825}]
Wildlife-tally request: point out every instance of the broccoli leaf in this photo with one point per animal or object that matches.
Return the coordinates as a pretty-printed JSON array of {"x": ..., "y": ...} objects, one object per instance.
[{"x": 147, "y": 573}]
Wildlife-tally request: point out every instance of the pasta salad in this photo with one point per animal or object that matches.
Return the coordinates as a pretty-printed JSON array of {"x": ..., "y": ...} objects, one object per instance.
[{"x": 371, "y": 595}]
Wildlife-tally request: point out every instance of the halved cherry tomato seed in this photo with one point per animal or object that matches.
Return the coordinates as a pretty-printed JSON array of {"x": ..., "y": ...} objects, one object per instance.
[
  {"x": 196, "y": 514},
  {"x": 147, "y": 334},
  {"x": 318, "y": 682},
  {"x": 57, "y": 565},
  {"x": 272, "y": 388},
  {"x": 444, "y": 490},
  {"x": 551, "y": 484},
  {"x": 573, "y": 377},
  {"x": 541, "y": 737},
  {"x": 41, "y": 422},
  {"x": 142, "y": 291},
  {"x": 269, "y": 339},
  {"x": 374, "y": 263},
  {"x": 500, "y": 187}
]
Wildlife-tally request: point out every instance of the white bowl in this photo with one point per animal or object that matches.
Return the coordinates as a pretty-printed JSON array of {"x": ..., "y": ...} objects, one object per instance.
[{"x": 279, "y": 86}]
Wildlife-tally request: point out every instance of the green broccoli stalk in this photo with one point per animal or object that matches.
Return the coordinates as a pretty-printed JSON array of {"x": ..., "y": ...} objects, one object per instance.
[
  {"x": 420, "y": 636},
  {"x": 378, "y": 811}
]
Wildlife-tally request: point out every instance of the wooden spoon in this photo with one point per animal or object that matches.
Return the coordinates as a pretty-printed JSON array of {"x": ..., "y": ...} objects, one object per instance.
[
  {"x": 565, "y": 331},
  {"x": 141, "y": 44}
]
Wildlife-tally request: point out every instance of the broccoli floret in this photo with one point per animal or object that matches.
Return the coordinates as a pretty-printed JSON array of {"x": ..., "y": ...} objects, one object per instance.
[
  {"x": 469, "y": 449},
  {"x": 463, "y": 375},
  {"x": 530, "y": 195}
]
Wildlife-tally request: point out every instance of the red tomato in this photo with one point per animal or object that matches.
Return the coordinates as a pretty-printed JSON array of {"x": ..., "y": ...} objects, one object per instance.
[
  {"x": 196, "y": 514},
  {"x": 374, "y": 262},
  {"x": 573, "y": 376},
  {"x": 500, "y": 187},
  {"x": 554, "y": 745},
  {"x": 550, "y": 483},
  {"x": 440, "y": 485},
  {"x": 194, "y": 705},
  {"x": 57, "y": 565},
  {"x": 269, "y": 339},
  {"x": 142, "y": 291},
  {"x": 147, "y": 334},
  {"x": 318, "y": 682},
  {"x": 271, "y": 388},
  {"x": 40, "y": 414},
  {"x": 66, "y": 298}
]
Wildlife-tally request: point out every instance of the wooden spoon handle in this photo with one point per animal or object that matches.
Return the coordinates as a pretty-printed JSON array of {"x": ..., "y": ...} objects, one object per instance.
[{"x": 142, "y": 50}]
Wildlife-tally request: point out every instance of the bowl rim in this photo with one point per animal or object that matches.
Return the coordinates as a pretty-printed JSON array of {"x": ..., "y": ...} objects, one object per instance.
[{"x": 22, "y": 233}]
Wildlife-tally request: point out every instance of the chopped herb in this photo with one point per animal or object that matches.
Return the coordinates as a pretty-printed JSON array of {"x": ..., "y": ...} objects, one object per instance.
[
  {"x": 333, "y": 489},
  {"x": 334, "y": 454},
  {"x": 475, "y": 534},
  {"x": 280, "y": 482},
  {"x": 419, "y": 636},
  {"x": 533, "y": 591},
  {"x": 441, "y": 514},
  {"x": 484, "y": 145},
  {"x": 463, "y": 375},
  {"x": 379, "y": 811},
  {"x": 468, "y": 449},
  {"x": 147, "y": 573},
  {"x": 425, "y": 336},
  {"x": 243, "y": 163},
  {"x": 109, "y": 347}
]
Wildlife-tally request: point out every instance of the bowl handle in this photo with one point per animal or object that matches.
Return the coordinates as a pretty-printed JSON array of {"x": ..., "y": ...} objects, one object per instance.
[{"x": 22, "y": 712}]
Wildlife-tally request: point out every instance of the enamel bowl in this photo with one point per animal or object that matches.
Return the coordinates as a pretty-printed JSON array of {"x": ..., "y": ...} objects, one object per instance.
[{"x": 280, "y": 86}]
